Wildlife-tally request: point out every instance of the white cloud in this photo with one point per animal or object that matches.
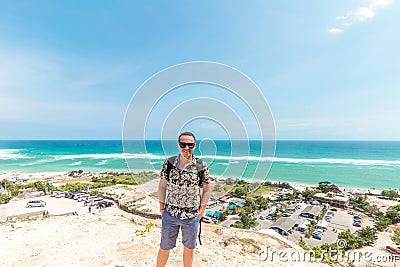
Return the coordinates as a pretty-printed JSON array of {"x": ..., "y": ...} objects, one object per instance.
[
  {"x": 364, "y": 13},
  {"x": 336, "y": 30},
  {"x": 360, "y": 14},
  {"x": 380, "y": 3}
]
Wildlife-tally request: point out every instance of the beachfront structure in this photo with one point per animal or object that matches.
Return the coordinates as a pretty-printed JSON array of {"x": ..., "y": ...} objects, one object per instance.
[
  {"x": 303, "y": 226},
  {"x": 332, "y": 199},
  {"x": 311, "y": 212},
  {"x": 283, "y": 225},
  {"x": 237, "y": 203},
  {"x": 212, "y": 213},
  {"x": 212, "y": 204},
  {"x": 323, "y": 225}
]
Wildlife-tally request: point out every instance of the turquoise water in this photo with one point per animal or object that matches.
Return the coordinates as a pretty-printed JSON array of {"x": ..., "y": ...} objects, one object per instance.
[{"x": 345, "y": 163}]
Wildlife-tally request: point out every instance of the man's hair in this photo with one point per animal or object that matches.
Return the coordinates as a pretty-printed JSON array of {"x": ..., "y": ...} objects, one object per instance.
[{"x": 186, "y": 133}]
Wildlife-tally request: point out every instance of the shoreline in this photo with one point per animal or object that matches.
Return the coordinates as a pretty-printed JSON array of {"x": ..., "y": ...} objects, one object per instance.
[{"x": 64, "y": 177}]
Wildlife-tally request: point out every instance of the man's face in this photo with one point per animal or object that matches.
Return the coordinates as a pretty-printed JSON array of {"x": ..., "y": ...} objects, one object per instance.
[{"x": 187, "y": 151}]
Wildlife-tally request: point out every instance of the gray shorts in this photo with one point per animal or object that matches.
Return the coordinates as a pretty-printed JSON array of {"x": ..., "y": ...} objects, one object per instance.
[{"x": 170, "y": 229}]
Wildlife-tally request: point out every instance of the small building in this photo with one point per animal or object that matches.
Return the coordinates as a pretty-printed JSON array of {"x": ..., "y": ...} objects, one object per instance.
[
  {"x": 237, "y": 203},
  {"x": 335, "y": 189},
  {"x": 303, "y": 226},
  {"x": 283, "y": 225},
  {"x": 311, "y": 212},
  {"x": 212, "y": 204},
  {"x": 333, "y": 199},
  {"x": 212, "y": 213},
  {"x": 323, "y": 225},
  {"x": 292, "y": 208}
]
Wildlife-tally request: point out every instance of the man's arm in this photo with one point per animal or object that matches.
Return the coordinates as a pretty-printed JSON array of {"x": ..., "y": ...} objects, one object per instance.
[
  {"x": 204, "y": 198},
  {"x": 162, "y": 189}
]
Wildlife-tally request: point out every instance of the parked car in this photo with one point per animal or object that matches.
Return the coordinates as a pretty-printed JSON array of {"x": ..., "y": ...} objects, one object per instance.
[
  {"x": 327, "y": 218},
  {"x": 330, "y": 213},
  {"x": 286, "y": 214},
  {"x": 88, "y": 199},
  {"x": 206, "y": 220},
  {"x": 106, "y": 203},
  {"x": 262, "y": 217},
  {"x": 35, "y": 203},
  {"x": 70, "y": 194},
  {"x": 76, "y": 196},
  {"x": 60, "y": 194},
  {"x": 357, "y": 224},
  {"x": 83, "y": 197},
  {"x": 333, "y": 209},
  {"x": 393, "y": 249},
  {"x": 317, "y": 235},
  {"x": 55, "y": 193},
  {"x": 95, "y": 200}
]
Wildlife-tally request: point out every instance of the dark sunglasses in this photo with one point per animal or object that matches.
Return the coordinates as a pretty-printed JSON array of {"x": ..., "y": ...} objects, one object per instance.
[{"x": 183, "y": 145}]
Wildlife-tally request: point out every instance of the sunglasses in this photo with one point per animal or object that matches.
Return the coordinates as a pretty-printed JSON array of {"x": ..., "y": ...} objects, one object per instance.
[{"x": 183, "y": 145}]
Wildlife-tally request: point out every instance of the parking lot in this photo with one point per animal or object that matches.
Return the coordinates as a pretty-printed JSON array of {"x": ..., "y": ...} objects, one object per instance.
[
  {"x": 341, "y": 221},
  {"x": 55, "y": 206}
]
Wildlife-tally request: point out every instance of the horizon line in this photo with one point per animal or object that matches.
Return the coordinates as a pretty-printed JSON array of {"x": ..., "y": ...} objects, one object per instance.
[{"x": 310, "y": 140}]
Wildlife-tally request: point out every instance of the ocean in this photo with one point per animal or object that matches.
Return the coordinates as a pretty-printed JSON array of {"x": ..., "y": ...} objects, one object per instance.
[{"x": 355, "y": 164}]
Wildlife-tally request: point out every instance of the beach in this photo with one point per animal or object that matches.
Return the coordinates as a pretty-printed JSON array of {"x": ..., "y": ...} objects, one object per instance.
[{"x": 111, "y": 237}]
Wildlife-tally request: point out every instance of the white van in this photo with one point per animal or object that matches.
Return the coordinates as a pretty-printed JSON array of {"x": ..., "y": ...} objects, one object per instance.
[
  {"x": 76, "y": 196},
  {"x": 83, "y": 197},
  {"x": 89, "y": 199},
  {"x": 95, "y": 200},
  {"x": 55, "y": 193},
  {"x": 35, "y": 203}
]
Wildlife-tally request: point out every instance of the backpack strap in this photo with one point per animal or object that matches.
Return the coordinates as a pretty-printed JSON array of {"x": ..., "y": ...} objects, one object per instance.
[
  {"x": 199, "y": 235},
  {"x": 170, "y": 165},
  {"x": 200, "y": 170}
]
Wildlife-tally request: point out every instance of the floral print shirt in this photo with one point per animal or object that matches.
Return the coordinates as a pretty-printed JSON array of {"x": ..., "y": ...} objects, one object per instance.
[{"x": 183, "y": 186}]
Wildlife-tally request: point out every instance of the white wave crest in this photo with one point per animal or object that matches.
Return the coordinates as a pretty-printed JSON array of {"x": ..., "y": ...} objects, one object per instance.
[
  {"x": 104, "y": 161},
  {"x": 13, "y": 154},
  {"x": 365, "y": 162},
  {"x": 75, "y": 163},
  {"x": 110, "y": 156}
]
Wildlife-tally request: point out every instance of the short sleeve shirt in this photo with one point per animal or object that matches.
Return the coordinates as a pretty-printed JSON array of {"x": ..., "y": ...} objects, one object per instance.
[{"x": 183, "y": 186}]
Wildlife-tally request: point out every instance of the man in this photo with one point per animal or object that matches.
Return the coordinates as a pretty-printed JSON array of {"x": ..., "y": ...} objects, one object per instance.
[{"x": 181, "y": 204}]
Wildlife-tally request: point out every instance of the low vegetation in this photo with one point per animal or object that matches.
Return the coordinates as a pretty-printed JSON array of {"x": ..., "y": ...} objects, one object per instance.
[
  {"x": 396, "y": 236},
  {"x": 391, "y": 194},
  {"x": 365, "y": 236},
  {"x": 248, "y": 244},
  {"x": 392, "y": 216},
  {"x": 5, "y": 199},
  {"x": 97, "y": 182}
]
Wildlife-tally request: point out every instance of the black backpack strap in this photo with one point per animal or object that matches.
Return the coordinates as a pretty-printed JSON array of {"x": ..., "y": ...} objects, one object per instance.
[
  {"x": 200, "y": 170},
  {"x": 200, "y": 230},
  {"x": 170, "y": 165}
]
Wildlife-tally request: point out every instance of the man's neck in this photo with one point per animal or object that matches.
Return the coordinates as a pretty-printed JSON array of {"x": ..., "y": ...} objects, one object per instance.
[{"x": 182, "y": 159}]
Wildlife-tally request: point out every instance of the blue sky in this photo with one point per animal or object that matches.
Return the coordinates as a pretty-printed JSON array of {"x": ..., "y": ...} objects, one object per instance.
[{"x": 328, "y": 69}]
